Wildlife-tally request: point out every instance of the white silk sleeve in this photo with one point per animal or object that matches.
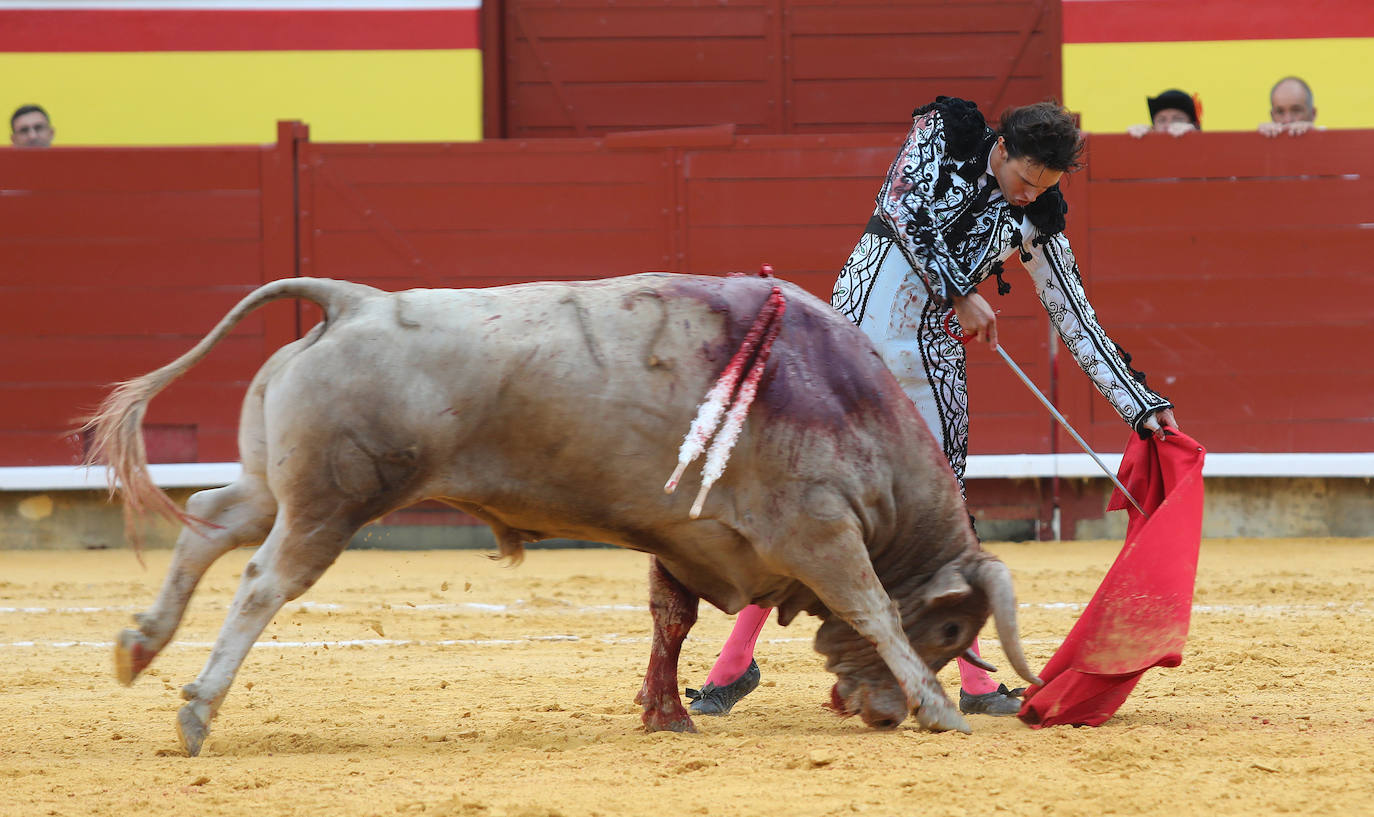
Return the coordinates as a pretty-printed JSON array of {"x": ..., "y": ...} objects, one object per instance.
[
  {"x": 1060, "y": 288},
  {"x": 904, "y": 203}
]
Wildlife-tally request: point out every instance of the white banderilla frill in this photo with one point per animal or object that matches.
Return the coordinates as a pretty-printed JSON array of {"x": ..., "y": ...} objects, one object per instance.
[{"x": 761, "y": 336}]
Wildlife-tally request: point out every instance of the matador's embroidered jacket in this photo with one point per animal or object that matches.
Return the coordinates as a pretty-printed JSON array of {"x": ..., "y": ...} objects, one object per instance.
[{"x": 942, "y": 207}]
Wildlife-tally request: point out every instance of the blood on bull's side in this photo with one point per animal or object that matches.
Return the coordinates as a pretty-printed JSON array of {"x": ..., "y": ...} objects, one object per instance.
[{"x": 555, "y": 410}]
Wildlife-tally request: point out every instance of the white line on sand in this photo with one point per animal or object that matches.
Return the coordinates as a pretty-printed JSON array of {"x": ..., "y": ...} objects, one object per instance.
[{"x": 522, "y": 606}]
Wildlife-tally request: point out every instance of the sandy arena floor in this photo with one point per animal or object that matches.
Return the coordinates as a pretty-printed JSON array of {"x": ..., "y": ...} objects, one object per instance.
[{"x": 441, "y": 683}]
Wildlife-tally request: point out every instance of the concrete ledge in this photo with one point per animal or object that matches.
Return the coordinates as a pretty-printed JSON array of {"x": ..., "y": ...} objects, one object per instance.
[
  {"x": 81, "y": 478},
  {"x": 1015, "y": 466},
  {"x": 1235, "y": 506},
  {"x": 985, "y": 466}
]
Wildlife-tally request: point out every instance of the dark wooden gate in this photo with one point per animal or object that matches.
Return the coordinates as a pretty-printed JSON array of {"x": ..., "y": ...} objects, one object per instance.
[{"x": 586, "y": 67}]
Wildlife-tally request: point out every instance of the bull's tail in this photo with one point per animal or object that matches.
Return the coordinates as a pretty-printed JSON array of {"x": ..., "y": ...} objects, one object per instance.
[{"x": 116, "y": 428}]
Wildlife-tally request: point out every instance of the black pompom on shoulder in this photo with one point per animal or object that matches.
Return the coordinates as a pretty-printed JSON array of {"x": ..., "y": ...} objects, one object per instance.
[
  {"x": 1047, "y": 212},
  {"x": 965, "y": 126}
]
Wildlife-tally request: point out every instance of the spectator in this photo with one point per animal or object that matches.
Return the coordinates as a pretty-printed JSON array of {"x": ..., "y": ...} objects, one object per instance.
[
  {"x": 1292, "y": 109},
  {"x": 1172, "y": 112},
  {"x": 30, "y": 127}
]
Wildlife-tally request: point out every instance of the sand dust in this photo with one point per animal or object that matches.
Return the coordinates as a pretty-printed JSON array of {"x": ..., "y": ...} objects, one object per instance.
[{"x": 441, "y": 683}]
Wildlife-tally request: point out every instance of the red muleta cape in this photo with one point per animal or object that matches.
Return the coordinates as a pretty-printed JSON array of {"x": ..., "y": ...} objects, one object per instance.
[{"x": 1138, "y": 618}]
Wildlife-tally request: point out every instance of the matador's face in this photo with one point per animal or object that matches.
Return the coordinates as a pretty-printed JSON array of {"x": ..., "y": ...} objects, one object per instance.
[{"x": 1021, "y": 180}]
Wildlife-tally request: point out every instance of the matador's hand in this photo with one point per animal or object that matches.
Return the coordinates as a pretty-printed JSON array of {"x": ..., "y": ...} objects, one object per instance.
[
  {"x": 1156, "y": 422},
  {"x": 976, "y": 317}
]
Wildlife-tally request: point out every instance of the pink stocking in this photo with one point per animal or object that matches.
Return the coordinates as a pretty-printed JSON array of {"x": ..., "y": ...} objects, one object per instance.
[
  {"x": 738, "y": 650},
  {"x": 973, "y": 680}
]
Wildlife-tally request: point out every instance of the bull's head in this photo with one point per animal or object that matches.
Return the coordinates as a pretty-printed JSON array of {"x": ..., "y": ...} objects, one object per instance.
[{"x": 941, "y": 615}]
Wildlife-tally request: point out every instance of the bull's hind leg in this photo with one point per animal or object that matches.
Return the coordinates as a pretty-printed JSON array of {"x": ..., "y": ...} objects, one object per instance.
[
  {"x": 295, "y": 555},
  {"x": 239, "y": 514},
  {"x": 841, "y": 574},
  {"x": 675, "y": 611}
]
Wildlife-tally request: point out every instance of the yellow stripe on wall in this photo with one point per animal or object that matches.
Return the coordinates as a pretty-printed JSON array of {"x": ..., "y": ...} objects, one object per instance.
[
  {"x": 1108, "y": 82},
  {"x": 196, "y": 98}
]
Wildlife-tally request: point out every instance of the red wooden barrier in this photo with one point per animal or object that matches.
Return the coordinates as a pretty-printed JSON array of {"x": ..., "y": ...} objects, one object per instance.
[
  {"x": 1235, "y": 268},
  {"x": 483, "y": 214},
  {"x": 115, "y": 262}
]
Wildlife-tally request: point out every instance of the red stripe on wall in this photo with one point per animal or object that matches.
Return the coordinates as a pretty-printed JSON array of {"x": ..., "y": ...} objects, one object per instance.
[
  {"x": 1137, "y": 21},
  {"x": 237, "y": 30}
]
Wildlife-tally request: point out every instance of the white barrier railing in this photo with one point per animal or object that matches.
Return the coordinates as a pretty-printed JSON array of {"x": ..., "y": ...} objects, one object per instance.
[
  {"x": 1013, "y": 466},
  {"x": 985, "y": 466}
]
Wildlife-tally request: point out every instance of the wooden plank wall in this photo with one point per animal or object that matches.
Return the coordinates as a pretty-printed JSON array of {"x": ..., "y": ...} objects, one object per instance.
[
  {"x": 587, "y": 67},
  {"x": 397, "y": 216},
  {"x": 116, "y": 261},
  {"x": 1236, "y": 269},
  {"x": 856, "y": 65}
]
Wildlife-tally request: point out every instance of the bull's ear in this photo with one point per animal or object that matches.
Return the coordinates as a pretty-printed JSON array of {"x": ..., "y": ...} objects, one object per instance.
[{"x": 947, "y": 585}]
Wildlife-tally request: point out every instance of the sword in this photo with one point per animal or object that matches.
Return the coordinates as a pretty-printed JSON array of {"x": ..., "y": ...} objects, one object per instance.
[{"x": 964, "y": 339}]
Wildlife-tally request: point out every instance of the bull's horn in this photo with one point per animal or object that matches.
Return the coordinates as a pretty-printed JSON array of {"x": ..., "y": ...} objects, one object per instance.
[
  {"x": 994, "y": 579},
  {"x": 977, "y": 660}
]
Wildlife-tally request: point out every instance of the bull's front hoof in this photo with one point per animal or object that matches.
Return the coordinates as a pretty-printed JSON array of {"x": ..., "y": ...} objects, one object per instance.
[
  {"x": 191, "y": 729},
  {"x": 659, "y": 722},
  {"x": 941, "y": 716},
  {"x": 131, "y": 656},
  {"x": 667, "y": 716}
]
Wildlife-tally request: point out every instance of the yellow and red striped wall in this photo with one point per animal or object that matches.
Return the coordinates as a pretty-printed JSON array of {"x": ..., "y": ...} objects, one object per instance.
[
  {"x": 188, "y": 72},
  {"x": 125, "y": 72},
  {"x": 1230, "y": 52}
]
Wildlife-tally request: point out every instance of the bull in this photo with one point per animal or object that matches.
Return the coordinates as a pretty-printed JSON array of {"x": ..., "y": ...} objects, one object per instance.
[{"x": 549, "y": 410}]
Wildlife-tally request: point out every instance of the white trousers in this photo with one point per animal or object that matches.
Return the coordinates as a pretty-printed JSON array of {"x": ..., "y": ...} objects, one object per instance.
[{"x": 893, "y": 305}]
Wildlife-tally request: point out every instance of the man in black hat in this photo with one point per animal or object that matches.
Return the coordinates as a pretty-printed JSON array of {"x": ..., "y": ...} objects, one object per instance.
[
  {"x": 1172, "y": 112},
  {"x": 958, "y": 201}
]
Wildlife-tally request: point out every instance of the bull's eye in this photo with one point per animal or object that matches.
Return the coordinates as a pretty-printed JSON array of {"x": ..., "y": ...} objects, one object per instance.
[{"x": 950, "y": 632}]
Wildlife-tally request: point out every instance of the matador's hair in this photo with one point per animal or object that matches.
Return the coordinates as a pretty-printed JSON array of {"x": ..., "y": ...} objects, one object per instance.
[{"x": 1044, "y": 133}]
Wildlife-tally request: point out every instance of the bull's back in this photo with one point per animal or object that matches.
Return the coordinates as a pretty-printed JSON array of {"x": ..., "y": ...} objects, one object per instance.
[
  {"x": 575, "y": 397},
  {"x": 639, "y": 354}
]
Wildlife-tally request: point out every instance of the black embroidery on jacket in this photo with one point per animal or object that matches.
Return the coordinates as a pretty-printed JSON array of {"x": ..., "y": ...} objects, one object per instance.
[
  {"x": 958, "y": 232},
  {"x": 1047, "y": 213},
  {"x": 1002, "y": 286},
  {"x": 1136, "y": 374},
  {"x": 965, "y": 126}
]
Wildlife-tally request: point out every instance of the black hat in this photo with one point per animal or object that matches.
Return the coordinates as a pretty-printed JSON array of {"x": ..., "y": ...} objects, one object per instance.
[{"x": 1173, "y": 98}]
